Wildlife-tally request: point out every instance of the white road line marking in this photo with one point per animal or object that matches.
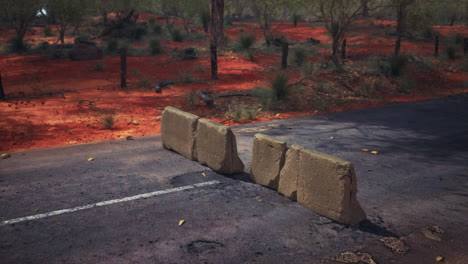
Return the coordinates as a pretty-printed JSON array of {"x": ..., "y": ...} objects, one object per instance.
[{"x": 89, "y": 206}]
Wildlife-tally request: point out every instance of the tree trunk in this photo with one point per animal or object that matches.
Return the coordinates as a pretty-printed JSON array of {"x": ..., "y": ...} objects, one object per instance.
[
  {"x": 452, "y": 20},
  {"x": 62, "y": 35},
  {"x": 397, "y": 45},
  {"x": 465, "y": 46},
  {"x": 2, "y": 92},
  {"x": 217, "y": 23},
  {"x": 284, "y": 57},
  {"x": 436, "y": 46},
  {"x": 214, "y": 62},
  {"x": 343, "y": 51},
  {"x": 365, "y": 8},
  {"x": 123, "y": 67},
  {"x": 401, "y": 25}
]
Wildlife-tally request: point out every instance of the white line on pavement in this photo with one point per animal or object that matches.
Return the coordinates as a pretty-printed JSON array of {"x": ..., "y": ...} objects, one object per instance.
[{"x": 89, "y": 206}]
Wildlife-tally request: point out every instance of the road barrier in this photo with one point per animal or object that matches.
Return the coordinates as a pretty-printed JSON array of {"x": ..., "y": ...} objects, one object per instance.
[
  {"x": 211, "y": 144},
  {"x": 320, "y": 182}
]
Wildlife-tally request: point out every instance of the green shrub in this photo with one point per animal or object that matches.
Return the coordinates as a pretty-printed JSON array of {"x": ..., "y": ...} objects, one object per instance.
[
  {"x": 98, "y": 67},
  {"x": 451, "y": 52},
  {"x": 396, "y": 65},
  {"x": 205, "y": 20},
  {"x": 279, "y": 87},
  {"x": 299, "y": 57},
  {"x": 177, "y": 34},
  {"x": 144, "y": 83},
  {"x": 264, "y": 96},
  {"x": 245, "y": 41},
  {"x": 112, "y": 46},
  {"x": 405, "y": 86},
  {"x": 157, "y": 29},
  {"x": 155, "y": 46},
  {"x": 108, "y": 120},
  {"x": 458, "y": 38}
]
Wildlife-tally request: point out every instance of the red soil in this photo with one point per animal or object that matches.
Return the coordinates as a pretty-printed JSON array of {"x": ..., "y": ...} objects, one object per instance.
[{"x": 37, "y": 116}]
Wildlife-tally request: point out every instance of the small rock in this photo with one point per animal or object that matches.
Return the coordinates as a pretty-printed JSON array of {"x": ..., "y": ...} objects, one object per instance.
[
  {"x": 358, "y": 257},
  {"x": 130, "y": 138},
  {"x": 395, "y": 244},
  {"x": 5, "y": 155}
]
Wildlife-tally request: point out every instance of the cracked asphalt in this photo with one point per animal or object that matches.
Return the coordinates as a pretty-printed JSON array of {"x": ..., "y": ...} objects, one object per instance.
[{"x": 415, "y": 190}]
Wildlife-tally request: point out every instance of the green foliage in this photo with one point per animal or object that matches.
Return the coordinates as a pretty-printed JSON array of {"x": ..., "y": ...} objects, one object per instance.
[
  {"x": 112, "y": 46},
  {"x": 279, "y": 87},
  {"x": 245, "y": 41},
  {"x": 458, "y": 38},
  {"x": 144, "y": 83},
  {"x": 205, "y": 19},
  {"x": 191, "y": 98},
  {"x": 108, "y": 120},
  {"x": 300, "y": 57},
  {"x": 185, "y": 77},
  {"x": 100, "y": 66},
  {"x": 451, "y": 52},
  {"x": 406, "y": 85},
  {"x": 395, "y": 65},
  {"x": 264, "y": 96},
  {"x": 177, "y": 34},
  {"x": 155, "y": 46}
]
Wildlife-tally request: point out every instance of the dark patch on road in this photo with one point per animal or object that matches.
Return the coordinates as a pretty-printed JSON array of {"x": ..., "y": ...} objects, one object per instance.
[{"x": 203, "y": 246}]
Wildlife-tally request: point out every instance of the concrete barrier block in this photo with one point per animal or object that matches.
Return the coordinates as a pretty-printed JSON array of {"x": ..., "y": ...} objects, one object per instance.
[
  {"x": 267, "y": 160},
  {"x": 217, "y": 148},
  {"x": 178, "y": 132},
  {"x": 289, "y": 174},
  {"x": 327, "y": 185}
]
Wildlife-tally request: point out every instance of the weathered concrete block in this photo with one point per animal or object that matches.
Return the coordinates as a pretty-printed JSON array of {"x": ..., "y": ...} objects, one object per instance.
[
  {"x": 289, "y": 175},
  {"x": 327, "y": 185},
  {"x": 178, "y": 132},
  {"x": 267, "y": 160},
  {"x": 217, "y": 148}
]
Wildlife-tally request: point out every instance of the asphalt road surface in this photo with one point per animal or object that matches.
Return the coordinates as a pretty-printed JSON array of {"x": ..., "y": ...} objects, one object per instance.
[{"x": 125, "y": 205}]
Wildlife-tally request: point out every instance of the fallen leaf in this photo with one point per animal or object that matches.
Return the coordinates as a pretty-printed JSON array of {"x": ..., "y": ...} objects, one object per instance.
[
  {"x": 134, "y": 122},
  {"x": 332, "y": 137},
  {"x": 439, "y": 259},
  {"x": 203, "y": 174},
  {"x": 90, "y": 159},
  {"x": 395, "y": 244},
  {"x": 366, "y": 150},
  {"x": 278, "y": 115},
  {"x": 375, "y": 152},
  {"x": 181, "y": 222},
  {"x": 5, "y": 155}
]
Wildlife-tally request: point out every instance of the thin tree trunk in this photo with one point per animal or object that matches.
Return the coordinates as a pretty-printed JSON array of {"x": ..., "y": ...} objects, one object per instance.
[
  {"x": 397, "y": 45},
  {"x": 217, "y": 23},
  {"x": 2, "y": 92},
  {"x": 123, "y": 67},
  {"x": 436, "y": 46},
  {"x": 365, "y": 8},
  {"x": 465, "y": 46},
  {"x": 343, "y": 51},
  {"x": 284, "y": 57},
  {"x": 214, "y": 62},
  {"x": 401, "y": 25}
]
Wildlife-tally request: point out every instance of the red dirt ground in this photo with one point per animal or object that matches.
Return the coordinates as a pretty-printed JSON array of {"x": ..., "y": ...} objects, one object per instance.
[{"x": 36, "y": 115}]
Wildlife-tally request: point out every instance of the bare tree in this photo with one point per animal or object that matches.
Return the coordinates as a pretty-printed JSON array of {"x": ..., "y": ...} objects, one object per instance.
[{"x": 339, "y": 14}]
